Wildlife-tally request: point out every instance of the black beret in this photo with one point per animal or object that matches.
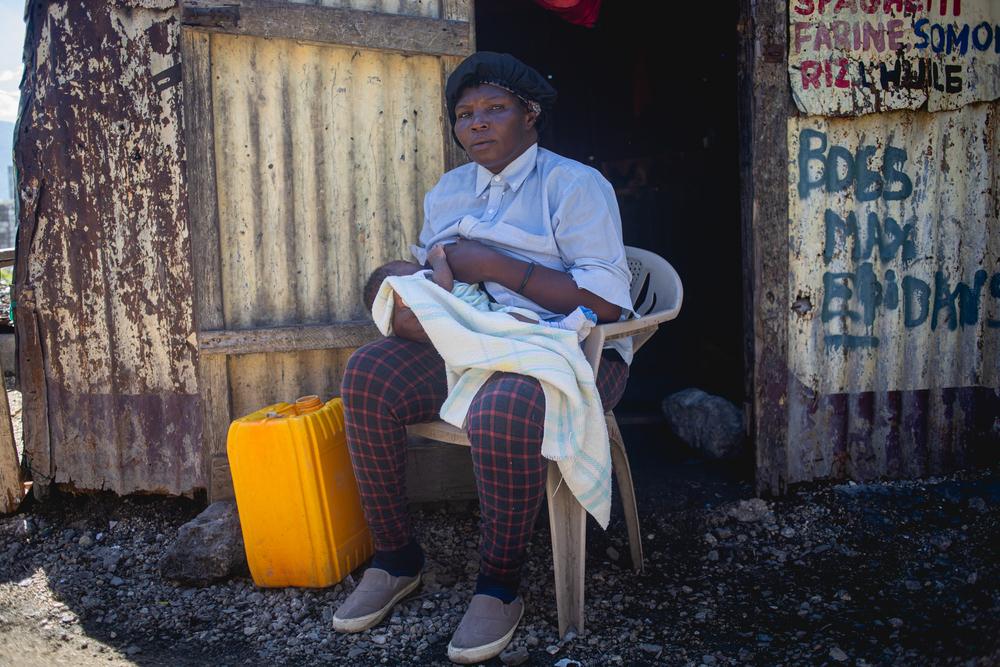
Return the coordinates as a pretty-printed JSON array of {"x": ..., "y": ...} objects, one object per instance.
[{"x": 506, "y": 70}]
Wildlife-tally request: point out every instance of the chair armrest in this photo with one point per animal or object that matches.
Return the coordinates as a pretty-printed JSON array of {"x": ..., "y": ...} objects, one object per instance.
[
  {"x": 626, "y": 328},
  {"x": 640, "y": 329}
]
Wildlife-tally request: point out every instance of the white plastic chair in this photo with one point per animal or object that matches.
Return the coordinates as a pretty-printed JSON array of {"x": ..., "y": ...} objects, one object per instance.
[{"x": 656, "y": 293}]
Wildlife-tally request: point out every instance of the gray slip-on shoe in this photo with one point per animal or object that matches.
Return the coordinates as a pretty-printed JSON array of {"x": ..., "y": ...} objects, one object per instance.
[
  {"x": 376, "y": 594},
  {"x": 485, "y": 630}
]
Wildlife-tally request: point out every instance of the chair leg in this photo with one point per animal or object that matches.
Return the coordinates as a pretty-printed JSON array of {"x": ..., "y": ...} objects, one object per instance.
[
  {"x": 568, "y": 525},
  {"x": 623, "y": 474}
]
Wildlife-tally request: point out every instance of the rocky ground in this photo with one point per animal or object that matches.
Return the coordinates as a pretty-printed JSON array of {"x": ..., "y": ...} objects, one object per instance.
[{"x": 901, "y": 573}]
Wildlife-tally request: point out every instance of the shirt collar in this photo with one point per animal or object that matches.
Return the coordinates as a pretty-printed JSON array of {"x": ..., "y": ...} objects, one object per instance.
[{"x": 513, "y": 174}]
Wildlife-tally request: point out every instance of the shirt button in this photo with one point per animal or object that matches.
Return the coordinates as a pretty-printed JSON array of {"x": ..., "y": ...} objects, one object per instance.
[
  {"x": 496, "y": 179},
  {"x": 491, "y": 211}
]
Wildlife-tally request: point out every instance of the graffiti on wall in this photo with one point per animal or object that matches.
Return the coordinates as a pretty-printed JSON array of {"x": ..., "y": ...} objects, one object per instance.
[
  {"x": 894, "y": 250},
  {"x": 851, "y": 57}
]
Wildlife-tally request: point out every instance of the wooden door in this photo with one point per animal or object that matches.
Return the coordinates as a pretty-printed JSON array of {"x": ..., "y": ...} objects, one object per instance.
[{"x": 313, "y": 131}]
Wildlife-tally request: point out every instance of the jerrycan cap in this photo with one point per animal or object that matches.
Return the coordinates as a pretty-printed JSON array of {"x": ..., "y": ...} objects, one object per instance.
[{"x": 306, "y": 404}]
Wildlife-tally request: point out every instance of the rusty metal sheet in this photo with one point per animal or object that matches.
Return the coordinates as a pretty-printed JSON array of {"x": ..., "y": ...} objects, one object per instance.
[
  {"x": 852, "y": 57},
  {"x": 894, "y": 251},
  {"x": 104, "y": 297},
  {"x": 894, "y": 292}
]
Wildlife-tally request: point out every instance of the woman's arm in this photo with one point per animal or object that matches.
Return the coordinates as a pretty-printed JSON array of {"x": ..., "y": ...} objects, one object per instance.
[{"x": 474, "y": 262}]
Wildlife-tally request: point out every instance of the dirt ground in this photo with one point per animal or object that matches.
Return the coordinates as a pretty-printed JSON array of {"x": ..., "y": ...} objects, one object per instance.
[{"x": 884, "y": 573}]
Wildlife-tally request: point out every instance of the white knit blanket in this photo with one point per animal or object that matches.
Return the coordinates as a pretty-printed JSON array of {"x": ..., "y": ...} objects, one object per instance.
[{"x": 475, "y": 344}]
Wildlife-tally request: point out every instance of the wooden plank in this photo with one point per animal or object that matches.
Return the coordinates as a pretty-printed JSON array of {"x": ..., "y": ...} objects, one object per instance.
[
  {"x": 352, "y": 333},
  {"x": 455, "y": 10},
  {"x": 769, "y": 109},
  {"x": 330, "y": 25},
  {"x": 213, "y": 378},
  {"x": 222, "y": 479},
  {"x": 436, "y": 472},
  {"x": 454, "y": 154},
  {"x": 6, "y": 257},
  {"x": 11, "y": 484}
]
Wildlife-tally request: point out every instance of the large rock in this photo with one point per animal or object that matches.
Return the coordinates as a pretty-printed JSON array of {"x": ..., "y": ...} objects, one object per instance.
[
  {"x": 710, "y": 424},
  {"x": 208, "y": 548}
]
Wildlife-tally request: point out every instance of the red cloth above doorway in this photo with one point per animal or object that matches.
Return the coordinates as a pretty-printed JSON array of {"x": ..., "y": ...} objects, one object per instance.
[{"x": 578, "y": 12}]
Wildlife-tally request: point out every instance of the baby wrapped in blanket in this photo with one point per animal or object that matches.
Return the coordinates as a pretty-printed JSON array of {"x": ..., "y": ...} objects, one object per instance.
[
  {"x": 581, "y": 320},
  {"x": 462, "y": 324}
]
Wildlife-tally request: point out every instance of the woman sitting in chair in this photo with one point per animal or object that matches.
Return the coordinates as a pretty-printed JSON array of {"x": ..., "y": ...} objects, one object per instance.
[{"x": 540, "y": 232}]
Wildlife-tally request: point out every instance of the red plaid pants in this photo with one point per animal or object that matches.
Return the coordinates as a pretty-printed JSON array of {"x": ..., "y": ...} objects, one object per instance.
[{"x": 393, "y": 382}]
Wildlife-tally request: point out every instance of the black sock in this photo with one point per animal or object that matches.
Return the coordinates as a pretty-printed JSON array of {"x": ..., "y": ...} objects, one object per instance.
[
  {"x": 405, "y": 562},
  {"x": 505, "y": 590}
]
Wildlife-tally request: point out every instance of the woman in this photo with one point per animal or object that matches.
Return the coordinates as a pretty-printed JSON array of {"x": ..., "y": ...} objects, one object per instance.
[{"x": 539, "y": 231}]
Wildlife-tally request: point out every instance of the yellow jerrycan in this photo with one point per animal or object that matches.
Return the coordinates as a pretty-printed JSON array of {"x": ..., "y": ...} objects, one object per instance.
[{"x": 298, "y": 500}]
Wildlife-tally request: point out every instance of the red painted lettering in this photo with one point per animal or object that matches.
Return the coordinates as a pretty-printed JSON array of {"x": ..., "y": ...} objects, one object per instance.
[
  {"x": 874, "y": 37},
  {"x": 828, "y": 73},
  {"x": 842, "y": 80},
  {"x": 801, "y": 34},
  {"x": 804, "y": 7},
  {"x": 870, "y": 6},
  {"x": 889, "y": 4},
  {"x": 894, "y": 29},
  {"x": 841, "y": 35},
  {"x": 846, "y": 4},
  {"x": 822, "y": 37},
  {"x": 810, "y": 73}
]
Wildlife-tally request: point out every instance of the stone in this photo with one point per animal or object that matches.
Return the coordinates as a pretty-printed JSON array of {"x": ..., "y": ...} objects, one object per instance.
[
  {"x": 24, "y": 528},
  {"x": 710, "y": 424},
  {"x": 750, "y": 511},
  {"x": 85, "y": 541},
  {"x": 612, "y": 553},
  {"x": 516, "y": 656},
  {"x": 837, "y": 654},
  {"x": 652, "y": 649},
  {"x": 208, "y": 548}
]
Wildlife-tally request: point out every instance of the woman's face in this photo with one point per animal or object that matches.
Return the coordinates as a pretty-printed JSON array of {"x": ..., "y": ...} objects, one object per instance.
[{"x": 493, "y": 126}]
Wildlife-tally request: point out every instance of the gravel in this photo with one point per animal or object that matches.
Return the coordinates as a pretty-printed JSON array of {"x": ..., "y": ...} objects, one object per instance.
[{"x": 899, "y": 573}]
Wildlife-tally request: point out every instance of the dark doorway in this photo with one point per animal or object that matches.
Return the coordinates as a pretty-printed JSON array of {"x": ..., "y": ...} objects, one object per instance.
[{"x": 651, "y": 102}]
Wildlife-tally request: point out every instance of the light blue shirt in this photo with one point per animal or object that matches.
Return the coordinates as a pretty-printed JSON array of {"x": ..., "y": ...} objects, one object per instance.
[{"x": 543, "y": 208}]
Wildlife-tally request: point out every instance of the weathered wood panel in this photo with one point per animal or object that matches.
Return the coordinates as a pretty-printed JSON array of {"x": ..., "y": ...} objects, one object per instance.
[
  {"x": 203, "y": 222},
  {"x": 287, "y": 339},
  {"x": 11, "y": 489},
  {"x": 428, "y": 8},
  {"x": 769, "y": 108},
  {"x": 104, "y": 298},
  {"x": 330, "y": 25},
  {"x": 852, "y": 58}
]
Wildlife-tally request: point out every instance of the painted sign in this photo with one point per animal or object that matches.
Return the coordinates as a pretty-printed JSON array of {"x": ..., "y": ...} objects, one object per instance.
[
  {"x": 852, "y": 57},
  {"x": 894, "y": 250}
]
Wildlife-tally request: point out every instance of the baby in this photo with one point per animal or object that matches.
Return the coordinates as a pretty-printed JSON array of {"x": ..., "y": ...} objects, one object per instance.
[{"x": 581, "y": 320}]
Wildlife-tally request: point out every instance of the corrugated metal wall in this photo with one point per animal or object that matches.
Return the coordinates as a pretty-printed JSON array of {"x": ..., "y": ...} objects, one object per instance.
[
  {"x": 323, "y": 155},
  {"x": 320, "y": 155},
  {"x": 103, "y": 292},
  {"x": 877, "y": 268}
]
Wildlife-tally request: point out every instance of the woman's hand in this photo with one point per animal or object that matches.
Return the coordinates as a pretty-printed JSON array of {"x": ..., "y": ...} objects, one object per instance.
[{"x": 472, "y": 261}]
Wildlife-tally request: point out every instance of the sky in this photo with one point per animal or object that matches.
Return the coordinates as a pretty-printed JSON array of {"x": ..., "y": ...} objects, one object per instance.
[{"x": 11, "y": 43}]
